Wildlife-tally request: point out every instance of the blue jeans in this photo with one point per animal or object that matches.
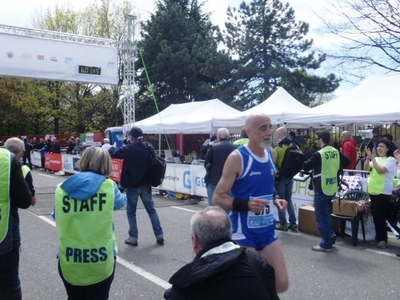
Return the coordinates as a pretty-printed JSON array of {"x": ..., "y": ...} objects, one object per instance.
[
  {"x": 322, "y": 205},
  {"x": 147, "y": 199},
  {"x": 210, "y": 193},
  {"x": 284, "y": 189}
]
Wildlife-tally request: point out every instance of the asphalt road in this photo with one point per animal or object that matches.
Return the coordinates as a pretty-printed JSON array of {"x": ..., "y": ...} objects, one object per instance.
[{"x": 142, "y": 272}]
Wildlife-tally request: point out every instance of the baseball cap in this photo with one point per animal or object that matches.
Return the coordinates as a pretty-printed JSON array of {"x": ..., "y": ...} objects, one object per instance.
[{"x": 136, "y": 132}]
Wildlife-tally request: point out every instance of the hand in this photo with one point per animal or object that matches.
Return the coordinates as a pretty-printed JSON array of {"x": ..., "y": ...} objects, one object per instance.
[
  {"x": 33, "y": 201},
  {"x": 257, "y": 205},
  {"x": 281, "y": 204},
  {"x": 368, "y": 152},
  {"x": 373, "y": 154},
  {"x": 397, "y": 154}
]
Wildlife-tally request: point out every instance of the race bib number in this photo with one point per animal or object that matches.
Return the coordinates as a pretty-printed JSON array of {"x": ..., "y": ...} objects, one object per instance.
[{"x": 263, "y": 218}]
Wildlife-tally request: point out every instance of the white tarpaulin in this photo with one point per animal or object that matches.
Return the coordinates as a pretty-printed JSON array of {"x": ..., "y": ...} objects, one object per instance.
[
  {"x": 29, "y": 57},
  {"x": 376, "y": 100},
  {"x": 279, "y": 106},
  {"x": 191, "y": 117}
]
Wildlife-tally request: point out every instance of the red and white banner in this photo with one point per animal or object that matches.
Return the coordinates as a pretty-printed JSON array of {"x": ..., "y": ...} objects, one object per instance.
[
  {"x": 116, "y": 169},
  {"x": 53, "y": 161}
]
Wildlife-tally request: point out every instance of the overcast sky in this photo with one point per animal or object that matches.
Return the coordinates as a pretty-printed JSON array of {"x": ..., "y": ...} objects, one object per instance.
[{"x": 21, "y": 13}]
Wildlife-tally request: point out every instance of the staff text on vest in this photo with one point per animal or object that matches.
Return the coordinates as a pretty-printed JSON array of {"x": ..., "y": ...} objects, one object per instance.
[
  {"x": 83, "y": 205},
  {"x": 331, "y": 154}
]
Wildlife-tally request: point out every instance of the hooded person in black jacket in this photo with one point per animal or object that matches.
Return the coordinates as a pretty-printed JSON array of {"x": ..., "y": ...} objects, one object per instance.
[{"x": 221, "y": 269}]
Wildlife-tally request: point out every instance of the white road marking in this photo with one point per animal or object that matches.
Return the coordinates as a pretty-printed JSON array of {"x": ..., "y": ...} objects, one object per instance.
[
  {"x": 153, "y": 278},
  {"x": 160, "y": 282},
  {"x": 185, "y": 209},
  {"x": 46, "y": 175},
  {"x": 380, "y": 252},
  {"x": 47, "y": 220}
]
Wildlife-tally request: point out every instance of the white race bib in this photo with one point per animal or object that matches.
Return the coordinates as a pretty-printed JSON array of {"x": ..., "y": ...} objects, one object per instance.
[{"x": 263, "y": 218}]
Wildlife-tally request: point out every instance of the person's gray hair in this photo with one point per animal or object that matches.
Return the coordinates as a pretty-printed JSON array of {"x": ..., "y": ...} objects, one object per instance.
[
  {"x": 14, "y": 145},
  {"x": 211, "y": 224},
  {"x": 281, "y": 132},
  {"x": 96, "y": 160},
  {"x": 106, "y": 140},
  {"x": 223, "y": 133}
]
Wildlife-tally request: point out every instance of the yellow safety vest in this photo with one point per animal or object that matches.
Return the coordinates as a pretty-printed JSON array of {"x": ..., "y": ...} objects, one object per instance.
[
  {"x": 4, "y": 193},
  {"x": 330, "y": 165},
  {"x": 376, "y": 182},
  {"x": 25, "y": 170},
  {"x": 86, "y": 234}
]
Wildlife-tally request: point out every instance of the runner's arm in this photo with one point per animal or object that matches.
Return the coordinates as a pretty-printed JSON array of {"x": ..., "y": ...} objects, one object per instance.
[{"x": 231, "y": 171}]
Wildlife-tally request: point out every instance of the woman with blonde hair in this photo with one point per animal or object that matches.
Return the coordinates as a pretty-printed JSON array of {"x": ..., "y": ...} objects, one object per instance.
[{"x": 84, "y": 205}]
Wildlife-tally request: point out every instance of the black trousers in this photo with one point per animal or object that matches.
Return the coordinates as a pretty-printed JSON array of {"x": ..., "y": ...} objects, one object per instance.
[
  {"x": 97, "y": 291},
  {"x": 29, "y": 161},
  {"x": 379, "y": 206},
  {"x": 10, "y": 286}
]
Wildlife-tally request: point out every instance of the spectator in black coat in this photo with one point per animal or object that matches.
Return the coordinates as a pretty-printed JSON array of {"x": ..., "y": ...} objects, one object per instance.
[
  {"x": 55, "y": 145},
  {"x": 216, "y": 156},
  {"x": 221, "y": 269},
  {"x": 27, "y": 154}
]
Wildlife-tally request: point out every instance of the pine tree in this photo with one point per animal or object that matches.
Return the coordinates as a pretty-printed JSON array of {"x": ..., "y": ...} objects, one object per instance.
[
  {"x": 180, "y": 51},
  {"x": 271, "y": 49}
]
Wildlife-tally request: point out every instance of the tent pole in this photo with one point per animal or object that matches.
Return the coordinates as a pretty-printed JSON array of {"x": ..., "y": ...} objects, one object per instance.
[{"x": 159, "y": 144}]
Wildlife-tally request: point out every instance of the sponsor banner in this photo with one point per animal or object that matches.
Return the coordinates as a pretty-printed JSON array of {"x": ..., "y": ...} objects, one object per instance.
[
  {"x": 116, "y": 169},
  {"x": 177, "y": 179},
  {"x": 70, "y": 163},
  {"x": 53, "y": 161},
  {"x": 28, "y": 57},
  {"x": 198, "y": 184},
  {"x": 36, "y": 159}
]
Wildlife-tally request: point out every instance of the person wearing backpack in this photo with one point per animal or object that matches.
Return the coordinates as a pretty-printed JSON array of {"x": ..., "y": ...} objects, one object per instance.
[
  {"x": 284, "y": 180},
  {"x": 136, "y": 180}
]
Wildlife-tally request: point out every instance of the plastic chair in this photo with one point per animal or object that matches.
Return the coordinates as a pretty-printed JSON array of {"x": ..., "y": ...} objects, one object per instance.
[{"x": 355, "y": 196}]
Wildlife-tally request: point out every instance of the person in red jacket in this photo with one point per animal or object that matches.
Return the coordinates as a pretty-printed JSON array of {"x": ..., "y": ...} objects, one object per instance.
[{"x": 349, "y": 148}]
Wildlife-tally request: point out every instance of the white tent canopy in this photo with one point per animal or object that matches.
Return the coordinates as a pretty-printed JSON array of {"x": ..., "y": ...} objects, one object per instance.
[
  {"x": 191, "y": 117},
  {"x": 376, "y": 101},
  {"x": 279, "y": 106}
]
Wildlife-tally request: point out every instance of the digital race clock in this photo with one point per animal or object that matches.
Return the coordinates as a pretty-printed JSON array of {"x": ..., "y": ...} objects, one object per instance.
[{"x": 89, "y": 70}]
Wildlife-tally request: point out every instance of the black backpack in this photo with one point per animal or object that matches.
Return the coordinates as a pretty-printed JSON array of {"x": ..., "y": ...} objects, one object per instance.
[
  {"x": 292, "y": 161},
  {"x": 158, "y": 166}
]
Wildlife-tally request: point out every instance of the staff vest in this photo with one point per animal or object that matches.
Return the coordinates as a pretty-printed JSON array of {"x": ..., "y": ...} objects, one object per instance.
[
  {"x": 376, "y": 182},
  {"x": 85, "y": 230},
  {"x": 4, "y": 197},
  {"x": 330, "y": 165},
  {"x": 25, "y": 170}
]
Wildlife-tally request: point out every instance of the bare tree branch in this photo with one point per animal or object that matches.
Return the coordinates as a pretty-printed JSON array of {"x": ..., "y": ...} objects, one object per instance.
[{"x": 369, "y": 34}]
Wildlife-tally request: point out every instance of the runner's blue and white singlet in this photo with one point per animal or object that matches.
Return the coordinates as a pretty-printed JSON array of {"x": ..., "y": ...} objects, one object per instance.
[{"x": 257, "y": 180}]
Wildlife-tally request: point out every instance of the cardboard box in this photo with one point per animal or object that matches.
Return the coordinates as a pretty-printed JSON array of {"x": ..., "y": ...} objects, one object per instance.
[
  {"x": 308, "y": 222},
  {"x": 344, "y": 208}
]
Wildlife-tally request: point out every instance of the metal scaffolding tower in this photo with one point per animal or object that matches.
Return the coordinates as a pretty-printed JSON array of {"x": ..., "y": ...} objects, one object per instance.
[{"x": 128, "y": 57}]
